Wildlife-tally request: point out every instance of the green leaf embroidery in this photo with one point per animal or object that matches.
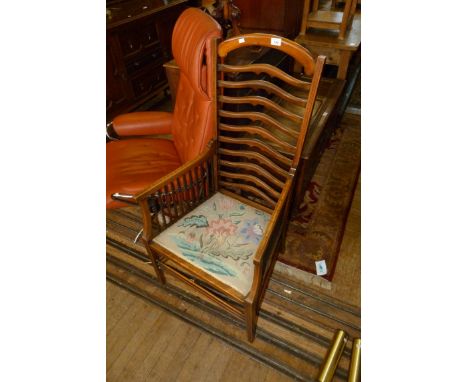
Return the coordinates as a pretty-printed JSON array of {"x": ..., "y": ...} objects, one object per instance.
[
  {"x": 236, "y": 214},
  {"x": 197, "y": 221},
  {"x": 210, "y": 265}
]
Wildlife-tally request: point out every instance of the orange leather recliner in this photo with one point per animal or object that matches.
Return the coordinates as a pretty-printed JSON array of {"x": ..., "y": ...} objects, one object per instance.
[{"x": 134, "y": 163}]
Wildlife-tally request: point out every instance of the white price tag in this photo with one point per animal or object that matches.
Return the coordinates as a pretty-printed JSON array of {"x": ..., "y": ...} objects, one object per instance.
[
  {"x": 241, "y": 40},
  {"x": 321, "y": 267},
  {"x": 276, "y": 41}
]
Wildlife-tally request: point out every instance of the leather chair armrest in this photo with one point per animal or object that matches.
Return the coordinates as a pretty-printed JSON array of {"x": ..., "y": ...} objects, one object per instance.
[{"x": 143, "y": 123}]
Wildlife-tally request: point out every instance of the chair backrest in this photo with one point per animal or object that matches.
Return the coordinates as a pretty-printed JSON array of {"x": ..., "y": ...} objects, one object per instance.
[
  {"x": 193, "y": 124},
  {"x": 264, "y": 114}
]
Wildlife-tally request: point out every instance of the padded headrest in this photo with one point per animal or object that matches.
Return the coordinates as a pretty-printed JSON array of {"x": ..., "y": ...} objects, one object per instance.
[{"x": 191, "y": 42}]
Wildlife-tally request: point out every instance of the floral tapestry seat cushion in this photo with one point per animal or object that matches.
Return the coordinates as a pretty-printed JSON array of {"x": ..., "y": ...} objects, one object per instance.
[{"x": 220, "y": 237}]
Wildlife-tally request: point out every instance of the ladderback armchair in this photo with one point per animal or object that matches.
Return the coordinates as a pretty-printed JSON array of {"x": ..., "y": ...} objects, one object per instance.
[
  {"x": 218, "y": 222},
  {"x": 138, "y": 158}
]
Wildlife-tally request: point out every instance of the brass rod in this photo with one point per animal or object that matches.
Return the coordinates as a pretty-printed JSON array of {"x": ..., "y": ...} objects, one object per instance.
[
  {"x": 355, "y": 364},
  {"x": 333, "y": 357}
]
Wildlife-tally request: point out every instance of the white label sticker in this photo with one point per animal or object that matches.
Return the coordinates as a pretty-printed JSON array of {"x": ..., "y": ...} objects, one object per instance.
[
  {"x": 321, "y": 267},
  {"x": 275, "y": 41},
  {"x": 241, "y": 40}
]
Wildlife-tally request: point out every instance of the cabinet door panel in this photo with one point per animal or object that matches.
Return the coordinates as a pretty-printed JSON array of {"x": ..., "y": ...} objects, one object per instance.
[
  {"x": 115, "y": 84},
  {"x": 138, "y": 44},
  {"x": 145, "y": 83}
]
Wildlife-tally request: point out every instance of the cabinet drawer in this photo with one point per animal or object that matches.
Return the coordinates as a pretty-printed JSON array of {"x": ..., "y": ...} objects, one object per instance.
[
  {"x": 135, "y": 39},
  {"x": 144, "y": 83},
  {"x": 141, "y": 62}
]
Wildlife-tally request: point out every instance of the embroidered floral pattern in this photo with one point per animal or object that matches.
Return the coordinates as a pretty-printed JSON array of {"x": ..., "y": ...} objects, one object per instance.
[
  {"x": 252, "y": 231},
  {"x": 220, "y": 236},
  {"x": 221, "y": 227}
]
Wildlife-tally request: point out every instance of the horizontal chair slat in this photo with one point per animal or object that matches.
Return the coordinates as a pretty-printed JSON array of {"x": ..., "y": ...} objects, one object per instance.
[
  {"x": 258, "y": 116},
  {"x": 254, "y": 168},
  {"x": 258, "y": 100},
  {"x": 298, "y": 52},
  {"x": 252, "y": 129},
  {"x": 257, "y": 156},
  {"x": 252, "y": 179},
  {"x": 250, "y": 189},
  {"x": 260, "y": 145},
  {"x": 265, "y": 68},
  {"x": 264, "y": 85}
]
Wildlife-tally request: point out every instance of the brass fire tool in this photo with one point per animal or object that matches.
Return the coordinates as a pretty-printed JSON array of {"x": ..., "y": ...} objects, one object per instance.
[
  {"x": 333, "y": 357},
  {"x": 355, "y": 364}
]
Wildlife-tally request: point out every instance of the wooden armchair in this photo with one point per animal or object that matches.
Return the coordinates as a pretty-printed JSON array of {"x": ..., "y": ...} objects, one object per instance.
[
  {"x": 218, "y": 221},
  {"x": 328, "y": 19}
]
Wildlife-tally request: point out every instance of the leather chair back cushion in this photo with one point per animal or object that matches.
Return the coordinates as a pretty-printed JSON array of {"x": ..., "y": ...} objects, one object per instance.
[{"x": 194, "y": 123}]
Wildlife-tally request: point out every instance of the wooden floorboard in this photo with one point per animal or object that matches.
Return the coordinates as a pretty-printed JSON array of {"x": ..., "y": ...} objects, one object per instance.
[
  {"x": 159, "y": 347},
  {"x": 271, "y": 347},
  {"x": 167, "y": 340}
]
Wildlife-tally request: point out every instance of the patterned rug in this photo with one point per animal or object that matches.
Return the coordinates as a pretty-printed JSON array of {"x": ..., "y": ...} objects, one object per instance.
[{"x": 314, "y": 236}]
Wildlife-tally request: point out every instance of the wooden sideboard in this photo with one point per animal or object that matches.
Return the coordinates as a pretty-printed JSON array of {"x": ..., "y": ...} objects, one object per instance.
[
  {"x": 138, "y": 42},
  {"x": 281, "y": 17},
  {"x": 338, "y": 52}
]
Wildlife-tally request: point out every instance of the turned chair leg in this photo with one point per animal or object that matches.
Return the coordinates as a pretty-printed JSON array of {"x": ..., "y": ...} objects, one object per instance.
[
  {"x": 155, "y": 261},
  {"x": 251, "y": 321}
]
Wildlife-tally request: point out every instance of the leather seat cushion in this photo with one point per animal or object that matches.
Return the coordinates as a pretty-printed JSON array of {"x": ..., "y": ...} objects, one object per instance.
[{"x": 134, "y": 164}]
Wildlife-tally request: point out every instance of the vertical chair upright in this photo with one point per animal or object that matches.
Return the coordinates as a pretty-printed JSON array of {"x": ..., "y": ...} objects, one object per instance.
[{"x": 216, "y": 222}]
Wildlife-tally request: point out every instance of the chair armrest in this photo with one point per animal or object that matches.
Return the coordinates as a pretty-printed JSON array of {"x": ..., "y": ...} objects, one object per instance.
[
  {"x": 205, "y": 156},
  {"x": 181, "y": 190},
  {"x": 143, "y": 123},
  {"x": 276, "y": 218},
  {"x": 267, "y": 245}
]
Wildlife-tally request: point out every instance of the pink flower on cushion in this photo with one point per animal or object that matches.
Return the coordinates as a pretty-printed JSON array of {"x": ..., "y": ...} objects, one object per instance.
[{"x": 222, "y": 227}]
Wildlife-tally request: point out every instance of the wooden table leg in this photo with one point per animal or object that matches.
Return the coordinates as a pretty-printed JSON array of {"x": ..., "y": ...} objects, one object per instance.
[{"x": 345, "y": 57}]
